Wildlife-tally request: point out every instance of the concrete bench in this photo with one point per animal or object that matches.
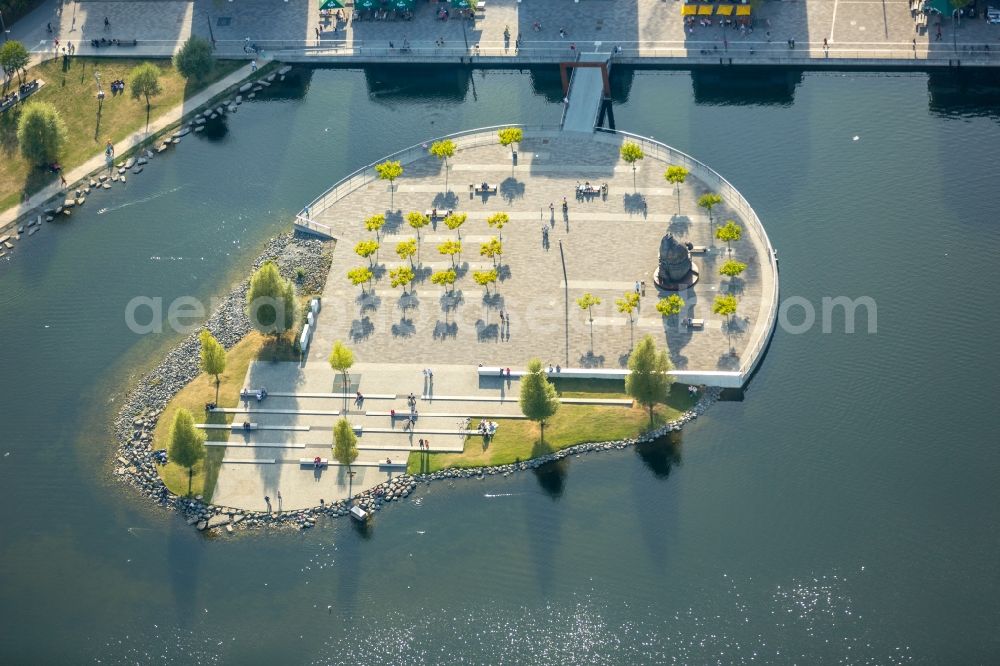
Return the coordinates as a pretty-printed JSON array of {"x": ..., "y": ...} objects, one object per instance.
[
  {"x": 694, "y": 323},
  {"x": 311, "y": 462},
  {"x": 438, "y": 215},
  {"x": 699, "y": 249},
  {"x": 243, "y": 426},
  {"x": 479, "y": 189}
]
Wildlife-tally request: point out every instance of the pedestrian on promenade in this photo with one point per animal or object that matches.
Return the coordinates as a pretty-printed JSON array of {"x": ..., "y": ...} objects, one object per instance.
[
  {"x": 246, "y": 45},
  {"x": 253, "y": 65},
  {"x": 107, "y": 24},
  {"x": 318, "y": 38}
]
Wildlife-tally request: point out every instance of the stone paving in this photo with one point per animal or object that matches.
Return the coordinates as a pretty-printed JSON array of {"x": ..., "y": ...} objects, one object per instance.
[
  {"x": 645, "y": 28},
  {"x": 609, "y": 246}
]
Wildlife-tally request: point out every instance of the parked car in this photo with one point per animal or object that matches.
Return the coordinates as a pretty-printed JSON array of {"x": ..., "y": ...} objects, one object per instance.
[{"x": 993, "y": 15}]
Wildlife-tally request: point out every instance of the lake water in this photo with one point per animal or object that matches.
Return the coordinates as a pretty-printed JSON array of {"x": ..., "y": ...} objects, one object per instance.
[{"x": 846, "y": 510}]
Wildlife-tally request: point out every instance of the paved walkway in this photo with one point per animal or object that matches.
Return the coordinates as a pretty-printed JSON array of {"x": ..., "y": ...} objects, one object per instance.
[
  {"x": 244, "y": 480},
  {"x": 854, "y": 30}
]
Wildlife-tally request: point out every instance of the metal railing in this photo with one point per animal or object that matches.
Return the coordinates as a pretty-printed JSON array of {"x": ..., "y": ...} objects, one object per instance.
[
  {"x": 466, "y": 139},
  {"x": 736, "y": 202}
]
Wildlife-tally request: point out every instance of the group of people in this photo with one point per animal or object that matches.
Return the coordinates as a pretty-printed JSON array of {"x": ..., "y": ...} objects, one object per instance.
[
  {"x": 117, "y": 86},
  {"x": 586, "y": 188},
  {"x": 246, "y": 394},
  {"x": 424, "y": 444},
  {"x": 487, "y": 428},
  {"x": 104, "y": 41}
]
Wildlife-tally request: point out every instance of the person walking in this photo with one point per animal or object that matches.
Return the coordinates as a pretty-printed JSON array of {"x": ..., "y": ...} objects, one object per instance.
[{"x": 107, "y": 24}]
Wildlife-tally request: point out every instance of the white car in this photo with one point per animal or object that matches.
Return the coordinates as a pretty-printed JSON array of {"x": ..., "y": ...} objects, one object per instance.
[{"x": 993, "y": 15}]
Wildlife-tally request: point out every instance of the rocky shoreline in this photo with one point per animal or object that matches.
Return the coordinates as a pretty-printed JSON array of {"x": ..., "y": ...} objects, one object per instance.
[{"x": 134, "y": 463}]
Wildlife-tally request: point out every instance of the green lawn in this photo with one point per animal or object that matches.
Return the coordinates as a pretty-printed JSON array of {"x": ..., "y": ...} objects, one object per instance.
[
  {"x": 201, "y": 390},
  {"x": 73, "y": 92},
  {"x": 518, "y": 439}
]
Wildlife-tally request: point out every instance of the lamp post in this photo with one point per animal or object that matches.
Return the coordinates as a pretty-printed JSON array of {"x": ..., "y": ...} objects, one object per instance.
[{"x": 3, "y": 27}]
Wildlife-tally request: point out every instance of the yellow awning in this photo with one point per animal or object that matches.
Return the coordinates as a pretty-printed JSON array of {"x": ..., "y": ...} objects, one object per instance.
[
  {"x": 724, "y": 10},
  {"x": 705, "y": 10},
  {"x": 743, "y": 10},
  {"x": 689, "y": 10}
]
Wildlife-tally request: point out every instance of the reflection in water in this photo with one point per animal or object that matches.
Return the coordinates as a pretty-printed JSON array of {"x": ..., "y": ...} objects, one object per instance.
[
  {"x": 661, "y": 454},
  {"x": 295, "y": 85},
  {"x": 745, "y": 85},
  {"x": 964, "y": 93},
  {"x": 215, "y": 129},
  {"x": 551, "y": 477},
  {"x": 403, "y": 83}
]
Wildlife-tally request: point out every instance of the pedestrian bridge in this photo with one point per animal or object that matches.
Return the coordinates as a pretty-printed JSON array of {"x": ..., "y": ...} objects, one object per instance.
[{"x": 586, "y": 90}]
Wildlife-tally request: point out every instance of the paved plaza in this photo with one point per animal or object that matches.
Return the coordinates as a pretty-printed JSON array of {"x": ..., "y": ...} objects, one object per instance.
[
  {"x": 609, "y": 244},
  {"x": 853, "y": 29}
]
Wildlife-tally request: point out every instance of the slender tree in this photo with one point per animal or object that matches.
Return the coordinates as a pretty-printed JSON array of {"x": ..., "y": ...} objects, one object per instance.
[
  {"x": 445, "y": 279},
  {"x": 345, "y": 443},
  {"x": 627, "y": 305},
  {"x": 360, "y": 276},
  {"x": 341, "y": 359},
  {"x": 493, "y": 249},
  {"x": 587, "y": 303},
  {"x": 485, "y": 278},
  {"x": 194, "y": 59},
  {"x": 443, "y": 150},
  {"x": 14, "y": 59},
  {"x": 676, "y": 175},
  {"x": 41, "y": 133},
  {"x": 455, "y": 222},
  {"x": 418, "y": 221},
  {"x": 375, "y": 223},
  {"x": 402, "y": 276},
  {"x": 729, "y": 232},
  {"x": 538, "y": 397},
  {"x": 271, "y": 301},
  {"x": 631, "y": 153},
  {"x": 725, "y": 305},
  {"x": 732, "y": 268},
  {"x": 648, "y": 381},
  {"x": 670, "y": 306},
  {"x": 213, "y": 358},
  {"x": 498, "y": 221},
  {"x": 367, "y": 249},
  {"x": 406, "y": 249},
  {"x": 187, "y": 444},
  {"x": 145, "y": 82},
  {"x": 450, "y": 249},
  {"x": 708, "y": 201},
  {"x": 509, "y": 136},
  {"x": 389, "y": 171}
]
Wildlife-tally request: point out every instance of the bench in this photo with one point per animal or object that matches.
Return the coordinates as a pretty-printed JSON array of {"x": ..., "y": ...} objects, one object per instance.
[
  {"x": 694, "y": 323},
  {"x": 242, "y": 426},
  {"x": 699, "y": 249},
  {"x": 259, "y": 394},
  {"x": 438, "y": 215},
  {"x": 311, "y": 462},
  {"x": 479, "y": 189}
]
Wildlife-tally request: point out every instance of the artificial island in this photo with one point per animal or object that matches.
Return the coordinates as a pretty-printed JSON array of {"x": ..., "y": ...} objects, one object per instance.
[{"x": 449, "y": 271}]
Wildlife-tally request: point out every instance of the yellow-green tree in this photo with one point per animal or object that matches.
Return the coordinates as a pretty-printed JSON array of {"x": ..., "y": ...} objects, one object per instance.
[
  {"x": 485, "y": 278},
  {"x": 455, "y": 221},
  {"x": 587, "y": 303},
  {"x": 631, "y": 153},
  {"x": 345, "y": 443},
  {"x": 144, "y": 81},
  {"x": 341, "y": 359},
  {"x": 676, "y": 175},
  {"x": 443, "y": 150},
  {"x": 725, "y": 305},
  {"x": 389, "y": 171},
  {"x": 418, "y": 221},
  {"x": 366, "y": 249},
  {"x": 498, "y": 221},
  {"x": 450, "y": 249},
  {"x": 402, "y": 276},
  {"x": 509, "y": 136},
  {"x": 729, "y": 232},
  {"x": 375, "y": 223},
  {"x": 187, "y": 443},
  {"x": 670, "y": 306},
  {"x": 493, "y": 249},
  {"x": 538, "y": 399},
  {"x": 212, "y": 358},
  {"x": 406, "y": 249},
  {"x": 41, "y": 133},
  {"x": 708, "y": 201},
  {"x": 627, "y": 305},
  {"x": 648, "y": 380},
  {"x": 360, "y": 276},
  {"x": 271, "y": 301},
  {"x": 445, "y": 279}
]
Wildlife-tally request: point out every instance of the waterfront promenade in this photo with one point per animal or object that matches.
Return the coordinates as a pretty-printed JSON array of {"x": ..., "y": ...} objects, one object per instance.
[{"x": 856, "y": 32}]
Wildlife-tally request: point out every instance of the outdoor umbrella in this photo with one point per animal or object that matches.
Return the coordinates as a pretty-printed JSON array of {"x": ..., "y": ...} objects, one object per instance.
[
  {"x": 365, "y": 4},
  {"x": 402, "y": 4},
  {"x": 462, "y": 4},
  {"x": 331, "y": 4}
]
